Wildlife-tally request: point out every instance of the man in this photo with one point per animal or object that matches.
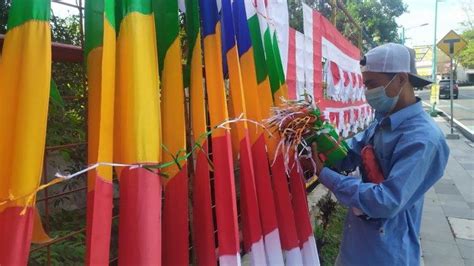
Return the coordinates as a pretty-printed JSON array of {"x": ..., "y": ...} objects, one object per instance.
[{"x": 383, "y": 223}]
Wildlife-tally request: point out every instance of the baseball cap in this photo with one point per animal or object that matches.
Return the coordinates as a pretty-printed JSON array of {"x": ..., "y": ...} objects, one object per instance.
[{"x": 393, "y": 58}]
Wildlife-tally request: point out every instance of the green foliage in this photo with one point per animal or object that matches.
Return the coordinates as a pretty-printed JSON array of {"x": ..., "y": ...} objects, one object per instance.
[
  {"x": 328, "y": 234},
  {"x": 68, "y": 252},
  {"x": 466, "y": 56},
  {"x": 376, "y": 17}
]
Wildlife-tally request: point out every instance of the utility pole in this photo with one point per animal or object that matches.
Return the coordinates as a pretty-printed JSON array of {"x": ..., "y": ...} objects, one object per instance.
[{"x": 435, "y": 52}]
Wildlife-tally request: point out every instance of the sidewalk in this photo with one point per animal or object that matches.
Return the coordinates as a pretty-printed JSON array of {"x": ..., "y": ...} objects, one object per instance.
[{"x": 447, "y": 231}]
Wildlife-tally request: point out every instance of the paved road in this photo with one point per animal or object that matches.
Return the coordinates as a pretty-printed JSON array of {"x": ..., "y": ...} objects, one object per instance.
[{"x": 463, "y": 107}]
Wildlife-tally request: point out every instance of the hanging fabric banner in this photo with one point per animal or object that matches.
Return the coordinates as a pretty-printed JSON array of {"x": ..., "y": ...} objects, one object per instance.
[
  {"x": 202, "y": 221},
  {"x": 137, "y": 130},
  {"x": 226, "y": 207},
  {"x": 25, "y": 74},
  {"x": 100, "y": 55}
]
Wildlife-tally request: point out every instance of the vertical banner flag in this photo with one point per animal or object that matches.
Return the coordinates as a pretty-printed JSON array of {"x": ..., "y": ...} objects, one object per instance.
[
  {"x": 295, "y": 75},
  {"x": 175, "y": 207},
  {"x": 25, "y": 74},
  {"x": 308, "y": 246},
  {"x": 279, "y": 19},
  {"x": 252, "y": 231},
  {"x": 100, "y": 56},
  {"x": 226, "y": 207},
  {"x": 277, "y": 222},
  {"x": 203, "y": 224},
  {"x": 137, "y": 128}
]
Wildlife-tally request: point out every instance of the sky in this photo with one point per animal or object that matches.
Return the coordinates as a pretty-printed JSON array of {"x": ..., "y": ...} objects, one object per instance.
[{"x": 450, "y": 15}]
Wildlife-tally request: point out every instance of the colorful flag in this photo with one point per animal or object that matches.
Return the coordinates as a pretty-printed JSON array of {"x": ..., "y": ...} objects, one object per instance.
[
  {"x": 203, "y": 224},
  {"x": 226, "y": 209},
  {"x": 25, "y": 75},
  {"x": 252, "y": 231},
  {"x": 308, "y": 246},
  {"x": 137, "y": 129},
  {"x": 175, "y": 207},
  {"x": 100, "y": 56},
  {"x": 284, "y": 212}
]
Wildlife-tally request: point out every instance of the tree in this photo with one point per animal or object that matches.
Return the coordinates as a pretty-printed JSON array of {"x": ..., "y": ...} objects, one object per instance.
[
  {"x": 466, "y": 56},
  {"x": 376, "y": 17}
]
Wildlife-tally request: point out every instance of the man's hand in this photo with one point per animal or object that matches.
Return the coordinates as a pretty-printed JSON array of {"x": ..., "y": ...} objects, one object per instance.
[{"x": 316, "y": 159}]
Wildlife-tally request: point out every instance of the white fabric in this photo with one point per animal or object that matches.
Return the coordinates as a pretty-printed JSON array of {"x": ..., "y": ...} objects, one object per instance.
[
  {"x": 293, "y": 257},
  {"x": 250, "y": 9},
  {"x": 230, "y": 260},
  {"x": 278, "y": 15},
  {"x": 310, "y": 252},
  {"x": 257, "y": 253},
  {"x": 300, "y": 65},
  {"x": 388, "y": 58},
  {"x": 308, "y": 46},
  {"x": 273, "y": 248},
  {"x": 333, "y": 53}
]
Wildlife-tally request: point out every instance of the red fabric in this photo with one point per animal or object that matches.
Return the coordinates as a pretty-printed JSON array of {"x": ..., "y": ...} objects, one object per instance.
[
  {"x": 347, "y": 79},
  {"x": 285, "y": 214},
  {"x": 140, "y": 218},
  {"x": 317, "y": 58},
  {"x": 300, "y": 206},
  {"x": 99, "y": 222},
  {"x": 203, "y": 224},
  {"x": 264, "y": 187},
  {"x": 175, "y": 220},
  {"x": 226, "y": 207},
  {"x": 336, "y": 75},
  {"x": 15, "y": 236},
  {"x": 354, "y": 79},
  {"x": 251, "y": 229}
]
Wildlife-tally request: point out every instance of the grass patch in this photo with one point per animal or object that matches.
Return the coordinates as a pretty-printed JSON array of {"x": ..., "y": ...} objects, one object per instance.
[{"x": 329, "y": 234}]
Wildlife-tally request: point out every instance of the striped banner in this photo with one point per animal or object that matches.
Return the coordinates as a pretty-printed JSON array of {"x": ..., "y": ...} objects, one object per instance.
[
  {"x": 138, "y": 134},
  {"x": 202, "y": 221},
  {"x": 25, "y": 74},
  {"x": 226, "y": 207},
  {"x": 175, "y": 207},
  {"x": 252, "y": 231},
  {"x": 100, "y": 56}
]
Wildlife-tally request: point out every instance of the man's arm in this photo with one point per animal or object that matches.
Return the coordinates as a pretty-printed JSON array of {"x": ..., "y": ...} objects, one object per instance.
[{"x": 411, "y": 162}]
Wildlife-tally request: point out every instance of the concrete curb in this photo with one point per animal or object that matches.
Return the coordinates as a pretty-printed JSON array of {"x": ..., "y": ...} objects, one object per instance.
[{"x": 462, "y": 128}]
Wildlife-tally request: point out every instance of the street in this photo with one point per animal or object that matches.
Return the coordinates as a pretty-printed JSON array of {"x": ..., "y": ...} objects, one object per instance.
[{"x": 463, "y": 107}]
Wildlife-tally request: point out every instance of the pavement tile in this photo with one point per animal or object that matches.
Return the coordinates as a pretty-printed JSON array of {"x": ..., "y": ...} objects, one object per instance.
[
  {"x": 462, "y": 228},
  {"x": 449, "y": 197},
  {"x": 436, "y": 260},
  {"x": 471, "y": 205},
  {"x": 468, "y": 262},
  {"x": 466, "y": 252},
  {"x": 447, "y": 189},
  {"x": 448, "y": 203},
  {"x": 468, "y": 166},
  {"x": 433, "y": 248},
  {"x": 465, "y": 213},
  {"x": 465, "y": 242}
]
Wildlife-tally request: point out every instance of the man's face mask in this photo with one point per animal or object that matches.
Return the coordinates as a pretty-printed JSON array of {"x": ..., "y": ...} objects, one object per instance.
[{"x": 378, "y": 99}]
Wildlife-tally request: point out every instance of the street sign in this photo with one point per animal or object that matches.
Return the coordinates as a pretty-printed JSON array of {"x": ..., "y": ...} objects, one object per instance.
[{"x": 451, "y": 44}]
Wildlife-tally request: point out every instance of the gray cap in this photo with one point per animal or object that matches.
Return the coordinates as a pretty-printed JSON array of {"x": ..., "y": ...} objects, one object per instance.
[{"x": 393, "y": 58}]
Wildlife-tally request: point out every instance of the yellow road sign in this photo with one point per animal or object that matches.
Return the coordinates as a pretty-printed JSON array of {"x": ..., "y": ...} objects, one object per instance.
[{"x": 452, "y": 43}]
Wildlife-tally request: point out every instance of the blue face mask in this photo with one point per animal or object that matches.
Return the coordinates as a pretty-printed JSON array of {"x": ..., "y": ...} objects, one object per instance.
[{"x": 378, "y": 99}]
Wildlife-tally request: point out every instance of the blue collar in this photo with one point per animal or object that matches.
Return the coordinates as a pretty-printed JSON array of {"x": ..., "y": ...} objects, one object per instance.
[{"x": 394, "y": 120}]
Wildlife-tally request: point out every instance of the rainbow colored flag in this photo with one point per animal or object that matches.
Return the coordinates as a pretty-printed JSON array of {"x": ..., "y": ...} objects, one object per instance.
[
  {"x": 284, "y": 210},
  {"x": 137, "y": 128},
  {"x": 25, "y": 75},
  {"x": 175, "y": 206},
  {"x": 100, "y": 55},
  {"x": 226, "y": 207},
  {"x": 250, "y": 213},
  {"x": 203, "y": 223}
]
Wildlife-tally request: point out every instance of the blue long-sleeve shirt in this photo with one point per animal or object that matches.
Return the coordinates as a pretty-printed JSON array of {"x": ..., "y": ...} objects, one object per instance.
[{"x": 412, "y": 154}]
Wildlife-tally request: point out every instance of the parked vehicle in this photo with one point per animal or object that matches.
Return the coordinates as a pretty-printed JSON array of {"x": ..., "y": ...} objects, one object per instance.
[{"x": 444, "y": 90}]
